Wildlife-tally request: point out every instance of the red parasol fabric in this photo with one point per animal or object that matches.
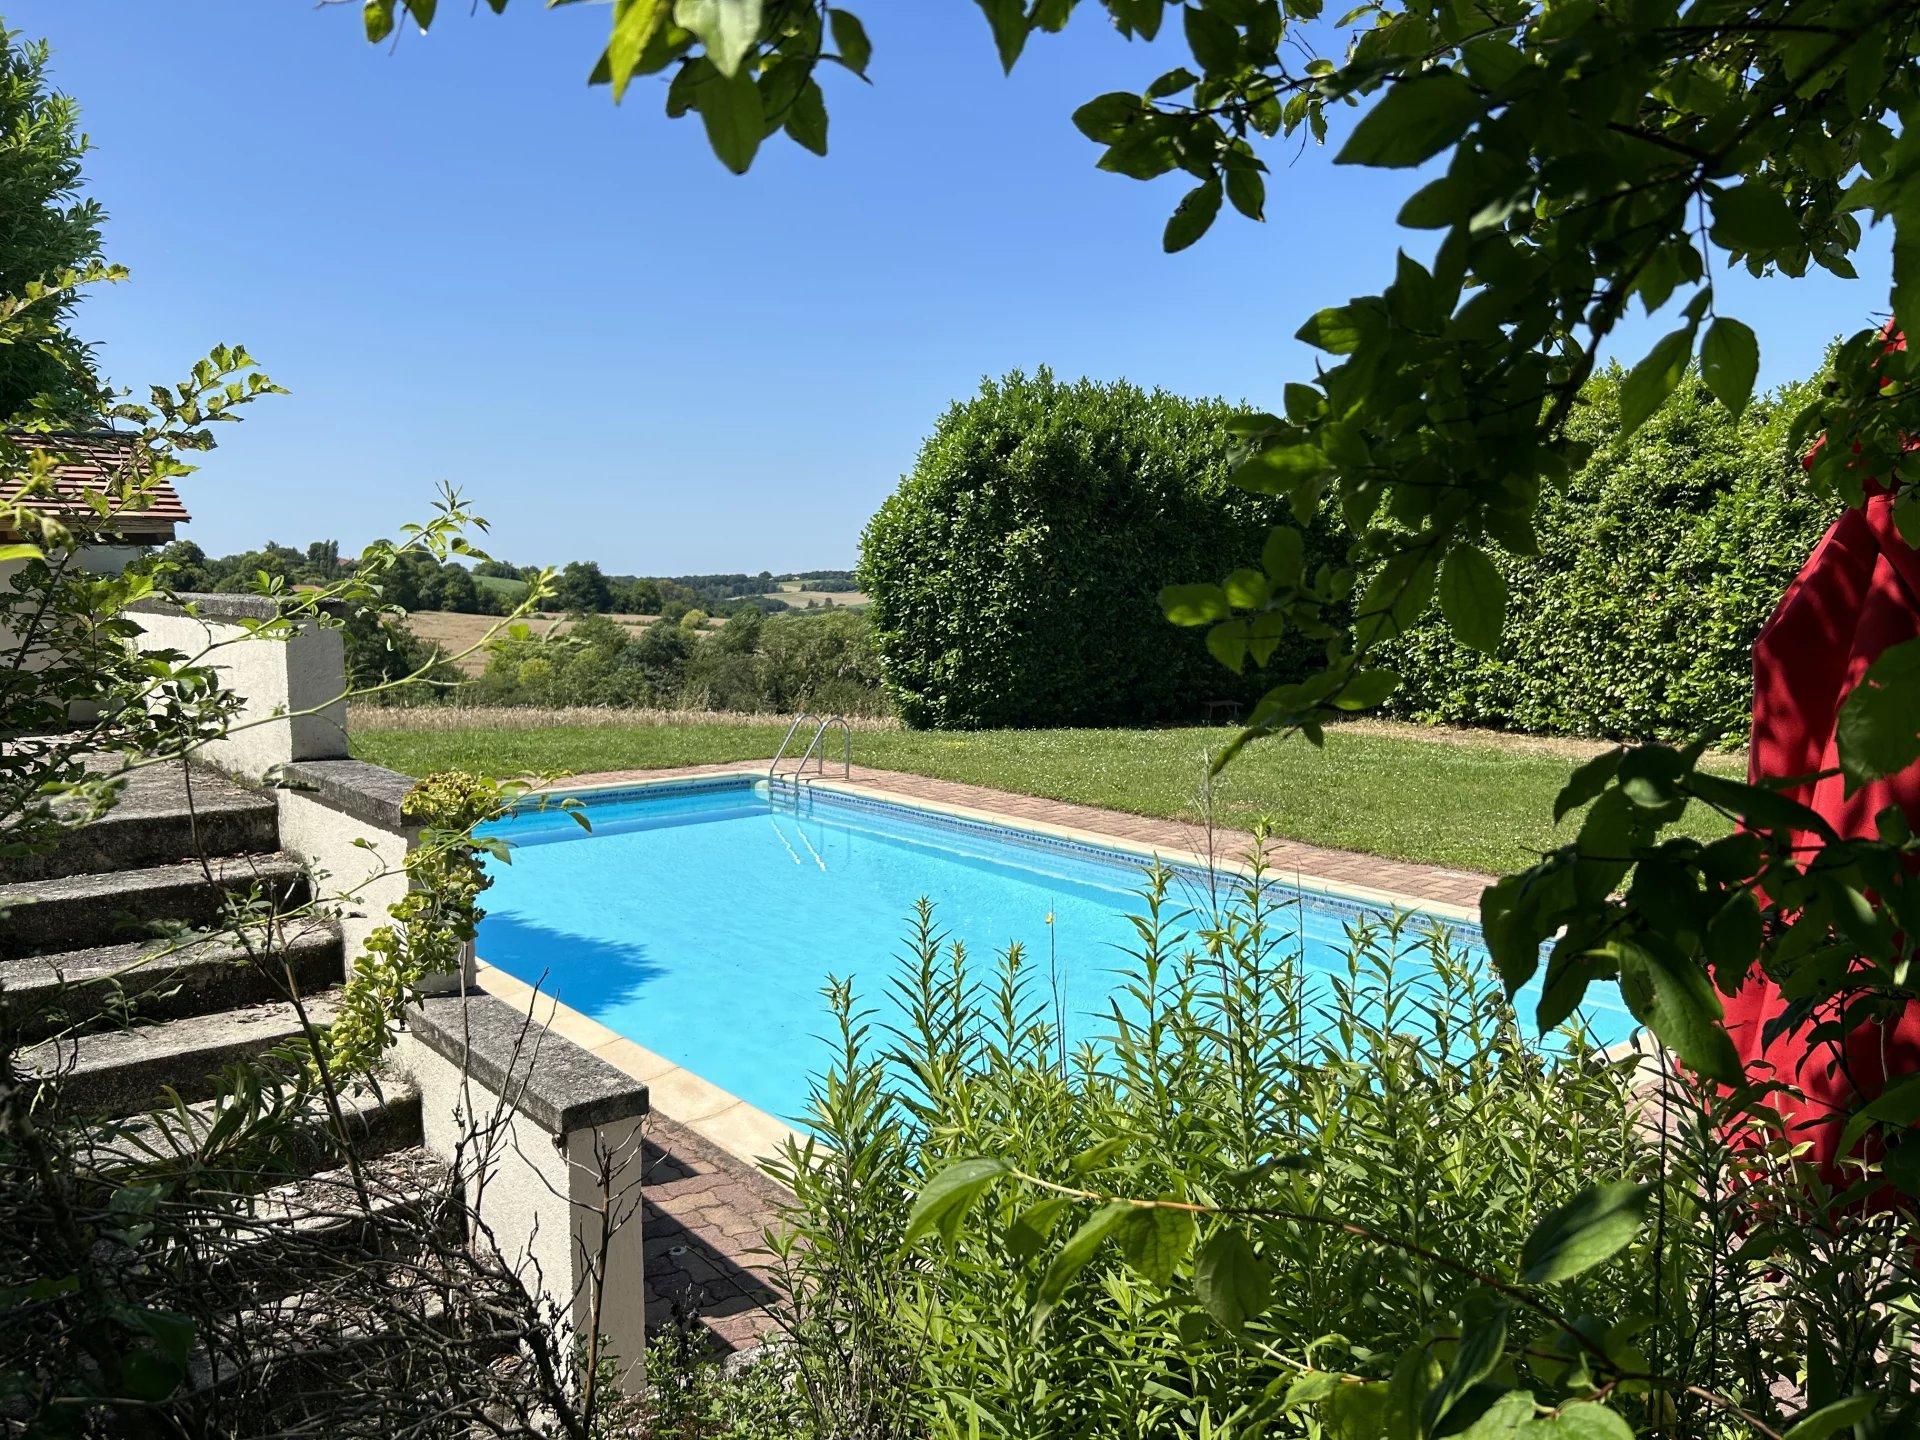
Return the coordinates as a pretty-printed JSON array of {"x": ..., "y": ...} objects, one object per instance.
[{"x": 1858, "y": 594}]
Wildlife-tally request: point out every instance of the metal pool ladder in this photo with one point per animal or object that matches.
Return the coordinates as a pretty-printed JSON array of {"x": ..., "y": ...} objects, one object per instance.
[{"x": 814, "y": 752}]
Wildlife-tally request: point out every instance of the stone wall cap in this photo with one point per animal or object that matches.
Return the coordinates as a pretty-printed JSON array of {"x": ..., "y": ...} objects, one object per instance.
[
  {"x": 369, "y": 793},
  {"x": 225, "y": 607},
  {"x": 551, "y": 1080}
]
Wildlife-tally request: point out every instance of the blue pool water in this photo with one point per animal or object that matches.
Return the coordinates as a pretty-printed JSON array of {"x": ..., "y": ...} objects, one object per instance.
[{"x": 701, "y": 919}]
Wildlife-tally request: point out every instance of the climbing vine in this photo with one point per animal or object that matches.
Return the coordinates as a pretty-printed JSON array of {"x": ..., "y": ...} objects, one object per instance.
[{"x": 434, "y": 921}]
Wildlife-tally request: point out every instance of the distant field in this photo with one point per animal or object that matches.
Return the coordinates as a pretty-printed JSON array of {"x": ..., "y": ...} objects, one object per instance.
[
  {"x": 795, "y": 593},
  {"x": 455, "y": 633}
]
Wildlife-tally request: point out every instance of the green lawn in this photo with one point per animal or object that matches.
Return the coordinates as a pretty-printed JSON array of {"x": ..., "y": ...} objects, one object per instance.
[{"x": 1471, "y": 806}]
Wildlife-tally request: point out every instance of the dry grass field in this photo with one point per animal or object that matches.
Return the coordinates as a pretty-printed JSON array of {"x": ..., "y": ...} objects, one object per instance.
[
  {"x": 456, "y": 634},
  {"x": 795, "y": 593}
]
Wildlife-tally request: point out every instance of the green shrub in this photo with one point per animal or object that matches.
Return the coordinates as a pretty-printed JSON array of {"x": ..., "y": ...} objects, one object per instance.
[
  {"x": 1657, "y": 567},
  {"x": 1282, "y": 1202},
  {"x": 1404, "y": 1086},
  {"x": 1013, "y": 575}
]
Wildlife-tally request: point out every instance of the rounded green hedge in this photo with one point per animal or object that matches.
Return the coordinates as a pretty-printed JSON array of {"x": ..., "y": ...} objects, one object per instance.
[
  {"x": 1013, "y": 575},
  {"x": 1658, "y": 565}
]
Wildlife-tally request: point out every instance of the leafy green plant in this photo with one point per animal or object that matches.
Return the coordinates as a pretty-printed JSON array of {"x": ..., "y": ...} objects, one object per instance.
[
  {"x": 1395, "y": 1095},
  {"x": 434, "y": 922}
]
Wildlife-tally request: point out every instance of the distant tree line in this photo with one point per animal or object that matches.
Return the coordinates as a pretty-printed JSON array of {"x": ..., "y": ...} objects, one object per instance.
[
  {"x": 492, "y": 587},
  {"x": 823, "y": 662}
]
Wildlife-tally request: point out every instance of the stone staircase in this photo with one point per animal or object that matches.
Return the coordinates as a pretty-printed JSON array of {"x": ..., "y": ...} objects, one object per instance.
[
  {"x": 128, "y": 982},
  {"x": 120, "y": 956}
]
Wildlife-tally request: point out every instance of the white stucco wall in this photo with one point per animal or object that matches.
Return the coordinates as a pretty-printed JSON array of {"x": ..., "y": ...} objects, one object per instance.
[
  {"x": 542, "y": 1202},
  {"x": 285, "y": 679},
  {"x": 357, "y": 882}
]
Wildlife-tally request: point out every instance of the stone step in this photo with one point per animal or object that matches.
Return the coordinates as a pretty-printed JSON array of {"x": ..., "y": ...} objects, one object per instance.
[
  {"x": 141, "y": 981},
  {"x": 380, "y": 1118},
  {"x": 73, "y": 912},
  {"x": 122, "y": 1072},
  {"x": 279, "y": 1237},
  {"x": 166, "y": 813}
]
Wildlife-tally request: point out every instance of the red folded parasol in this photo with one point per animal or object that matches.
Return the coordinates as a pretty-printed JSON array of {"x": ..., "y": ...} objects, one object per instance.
[{"x": 1858, "y": 594}]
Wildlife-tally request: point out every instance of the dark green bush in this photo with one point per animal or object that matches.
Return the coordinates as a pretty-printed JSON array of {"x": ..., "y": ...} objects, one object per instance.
[
  {"x": 1013, "y": 574},
  {"x": 1657, "y": 567}
]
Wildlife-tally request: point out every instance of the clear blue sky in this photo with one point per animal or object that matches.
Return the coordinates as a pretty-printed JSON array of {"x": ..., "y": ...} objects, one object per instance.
[{"x": 468, "y": 266}]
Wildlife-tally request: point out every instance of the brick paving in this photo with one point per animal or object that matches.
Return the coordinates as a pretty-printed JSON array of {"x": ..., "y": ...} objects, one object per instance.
[
  {"x": 705, "y": 1211},
  {"x": 703, "y": 1214}
]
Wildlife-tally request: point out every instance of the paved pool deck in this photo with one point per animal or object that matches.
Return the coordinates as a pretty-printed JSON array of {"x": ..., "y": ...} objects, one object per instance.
[{"x": 707, "y": 1204}]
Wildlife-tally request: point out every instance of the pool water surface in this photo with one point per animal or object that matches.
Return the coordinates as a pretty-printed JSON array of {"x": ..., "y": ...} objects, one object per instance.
[{"x": 700, "y": 919}]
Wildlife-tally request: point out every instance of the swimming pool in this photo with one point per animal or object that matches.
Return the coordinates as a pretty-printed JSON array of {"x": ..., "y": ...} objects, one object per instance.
[{"x": 701, "y": 918}]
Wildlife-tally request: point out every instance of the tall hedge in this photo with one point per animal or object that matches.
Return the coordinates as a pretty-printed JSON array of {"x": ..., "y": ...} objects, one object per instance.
[
  {"x": 1014, "y": 572},
  {"x": 1657, "y": 566}
]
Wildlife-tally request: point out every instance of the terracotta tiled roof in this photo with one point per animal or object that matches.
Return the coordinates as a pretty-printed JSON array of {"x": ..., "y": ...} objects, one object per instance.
[{"x": 93, "y": 463}]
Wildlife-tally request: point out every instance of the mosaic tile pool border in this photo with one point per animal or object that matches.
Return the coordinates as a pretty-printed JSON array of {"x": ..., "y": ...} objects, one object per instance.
[{"x": 1117, "y": 853}]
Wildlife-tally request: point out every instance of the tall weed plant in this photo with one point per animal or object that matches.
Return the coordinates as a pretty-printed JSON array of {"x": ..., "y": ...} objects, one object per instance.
[
  {"x": 1397, "y": 1094},
  {"x": 1277, "y": 1200}
]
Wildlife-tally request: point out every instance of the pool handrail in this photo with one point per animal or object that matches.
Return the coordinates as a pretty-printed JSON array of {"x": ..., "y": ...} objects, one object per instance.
[{"x": 813, "y": 751}]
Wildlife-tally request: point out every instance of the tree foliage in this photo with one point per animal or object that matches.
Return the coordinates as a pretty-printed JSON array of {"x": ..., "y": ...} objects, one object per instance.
[
  {"x": 1658, "y": 563},
  {"x": 50, "y": 231},
  {"x": 1011, "y": 576}
]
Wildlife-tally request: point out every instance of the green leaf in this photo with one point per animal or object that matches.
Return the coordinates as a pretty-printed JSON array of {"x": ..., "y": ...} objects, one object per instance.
[
  {"x": 1155, "y": 1239},
  {"x": 1675, "y": 999},
  {"x": 1482, "y": 1343},
  {"x": 1227, "y": 643},
  {"x": 1367, "y": 688},
  {"x": 850, "y": 39},
  {"x": 422, "y": 12},
  {"x": 1193, "y": 216},
  {"x": 1194, "y": 604},
  {"x": 1730, "y": 362},
  {"x": 1229, "y": 1280},
  {"x": 1593, "y": 1227},
  {"x": 1586, "y": 782},
  {"x": 1651, "y": 381},
  {"x": 1831, "y": 1419},
  {"x": 377, "y": 16},
  {"x": 1587, "y": 1420},
  {"x": 1105, "y": 117},
  {"x": 1335, "y": 330},
  {"x": 1284, "y": 556},
  {"x": 1009, "y": 21},
  {"x": 1355, "y": 1412},
  {"x": 1415, "y": 120},
  {"x": 1473, "y": 597},
  {"x": 1246, "y": 589},
  {"x": 1277, "y": 469},
  {"x": 1214, "y": 41},
  {"x": 1247, "y": 189},
  {"x": 20, "y": 552},
  {"x": 1878, "y": 732},
  {"x": 1753, "y": 217},
  {"x": 730, "y": 109},
  {"x": 635, "y": 23},
  {"x": 1897, "y": 1106},
  {"x": 1073, "y": 1257},
  {"x": 807, "y": 119},
  {"x": 944, "y": 1200},
  {"x": 729, "y": 29},
  {"x": 1027, "y": 1235}
]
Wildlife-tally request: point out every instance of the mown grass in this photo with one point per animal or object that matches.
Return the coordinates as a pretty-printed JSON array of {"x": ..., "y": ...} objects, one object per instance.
[{"x": 1471, "y": 805}]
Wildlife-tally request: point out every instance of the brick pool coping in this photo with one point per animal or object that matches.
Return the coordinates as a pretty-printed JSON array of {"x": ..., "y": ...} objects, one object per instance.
[{"x": 708, "y": 1200}]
